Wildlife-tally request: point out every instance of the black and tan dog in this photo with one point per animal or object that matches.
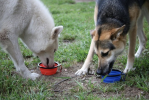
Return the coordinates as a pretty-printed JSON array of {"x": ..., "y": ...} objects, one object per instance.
[{"x": 114, "y": 19}]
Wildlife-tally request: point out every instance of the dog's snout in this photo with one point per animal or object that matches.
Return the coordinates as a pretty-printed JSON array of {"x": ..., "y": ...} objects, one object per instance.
[
  {"x": 99, "y": 71},
  {"x": 49, "y": 63},
  {"x": 103, "y": 71}
]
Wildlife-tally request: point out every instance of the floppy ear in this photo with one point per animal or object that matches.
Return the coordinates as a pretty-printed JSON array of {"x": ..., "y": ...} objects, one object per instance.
[
  {"x": 56, "y": 31},
  {"x": 92, "y": 33},
  {"x": 117, "y": 32}
]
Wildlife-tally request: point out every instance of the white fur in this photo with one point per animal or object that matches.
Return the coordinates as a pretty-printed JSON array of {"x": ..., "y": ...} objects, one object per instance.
[
  {"x": 31, "y": 21},
  {"x": 141, "y": 36},
  {"x": 88, "y": 60}
]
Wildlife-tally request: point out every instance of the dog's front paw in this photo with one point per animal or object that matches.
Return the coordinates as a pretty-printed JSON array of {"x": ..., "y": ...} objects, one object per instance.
[
  {"x": 137, "y": 55},
  {"x": 33, "y": 76},
  {"x": 126, "y": 70},
  {"x": 81, "y": 72}
]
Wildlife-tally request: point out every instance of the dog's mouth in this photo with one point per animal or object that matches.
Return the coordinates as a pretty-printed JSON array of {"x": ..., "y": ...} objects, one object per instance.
[
  {"x": 47, "y": 64},
  {"x": 110, "y": 67},
  {"x": 56, "y": 64},
  {"x": 105, "y": 70}
]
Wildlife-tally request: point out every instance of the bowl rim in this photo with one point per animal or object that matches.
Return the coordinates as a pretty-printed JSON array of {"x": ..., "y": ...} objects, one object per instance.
[
  {"x": 115, "y": 75},
  {"x": 50, "y": 67},
  {"x": 119, "y": 77}
]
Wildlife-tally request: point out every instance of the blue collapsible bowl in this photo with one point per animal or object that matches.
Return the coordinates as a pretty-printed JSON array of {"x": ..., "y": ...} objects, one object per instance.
[{"x": 114, "y": 76}]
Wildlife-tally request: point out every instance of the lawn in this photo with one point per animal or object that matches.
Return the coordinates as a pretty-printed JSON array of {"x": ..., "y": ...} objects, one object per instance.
[{"x": 74, "y": 42}]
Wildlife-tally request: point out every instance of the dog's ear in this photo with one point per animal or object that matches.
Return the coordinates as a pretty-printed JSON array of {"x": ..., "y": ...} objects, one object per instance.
[
  {"x": 117, "y": 32},
  {"x": 56, "y": 31},
  {"x": 92, "y": 33}
]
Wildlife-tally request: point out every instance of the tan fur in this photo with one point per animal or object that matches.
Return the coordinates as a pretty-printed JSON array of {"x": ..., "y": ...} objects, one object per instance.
[
  {"x": 95, "y": 13},
  {"x": 134, "y": 13},
  {"x": 146, "y": 5},
  {"x": 105, "y": 35}
]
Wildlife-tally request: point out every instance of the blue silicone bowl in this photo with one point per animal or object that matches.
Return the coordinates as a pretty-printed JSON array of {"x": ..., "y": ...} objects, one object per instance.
[{"x": 114, "y": 76}]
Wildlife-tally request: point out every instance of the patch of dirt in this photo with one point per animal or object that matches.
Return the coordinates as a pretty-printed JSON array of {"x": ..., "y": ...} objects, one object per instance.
[
  {"x": 83, "y": 0},
  {"x": 69, "y": 87},
  {"x": 66, "y": 73},
  {"x": 68, "y": 41},
  {"x": 133, "y": 92}
]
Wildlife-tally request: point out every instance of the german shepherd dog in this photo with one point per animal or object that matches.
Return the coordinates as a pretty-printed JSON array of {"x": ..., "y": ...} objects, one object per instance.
[{"x": 113, "y": 20}]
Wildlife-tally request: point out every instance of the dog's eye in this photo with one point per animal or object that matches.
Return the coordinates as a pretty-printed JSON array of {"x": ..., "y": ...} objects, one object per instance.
[{"x": 103, "y": 54}]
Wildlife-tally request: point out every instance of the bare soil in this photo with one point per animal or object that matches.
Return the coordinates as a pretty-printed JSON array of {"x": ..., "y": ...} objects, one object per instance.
[{"x": 63, "y": 85}]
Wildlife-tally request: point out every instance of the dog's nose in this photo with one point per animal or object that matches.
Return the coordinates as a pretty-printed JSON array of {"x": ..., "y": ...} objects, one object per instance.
[
  {"x": 102, "y": 71},
  {"x": 99, "y": 71}
]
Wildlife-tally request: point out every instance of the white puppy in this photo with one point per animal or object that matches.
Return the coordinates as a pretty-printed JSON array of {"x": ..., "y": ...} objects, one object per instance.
[{"x": 30, "y": 21}]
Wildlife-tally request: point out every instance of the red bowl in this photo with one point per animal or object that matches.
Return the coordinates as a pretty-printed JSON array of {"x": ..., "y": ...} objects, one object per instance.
[{"x": 48, "y": 71}]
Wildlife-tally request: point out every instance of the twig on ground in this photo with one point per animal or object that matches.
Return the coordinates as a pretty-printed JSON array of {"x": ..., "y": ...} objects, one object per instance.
[{"x": 61, "y": 82}]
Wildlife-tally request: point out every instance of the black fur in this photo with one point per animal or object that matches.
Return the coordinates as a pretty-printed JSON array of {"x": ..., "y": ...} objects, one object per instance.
[
  {"x": 104, "y": 44},
  {"x": 115, "y": 12}
]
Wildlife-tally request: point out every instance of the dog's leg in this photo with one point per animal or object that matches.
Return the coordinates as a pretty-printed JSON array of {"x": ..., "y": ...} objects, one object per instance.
[
  {"x": 141, "y": 36},
  {"x": 131, "y": 51},
  {"x": 12, "y": 48},
  {"x": 88, "y": 60},
  {"x": 95, "y": 14},
  {"x": 142, "y": 43},
  {"x": 146, "y": 13}
]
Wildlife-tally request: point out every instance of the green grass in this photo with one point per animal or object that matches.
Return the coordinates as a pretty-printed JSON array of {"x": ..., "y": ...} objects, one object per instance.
[{"x": 74, "y": 42}]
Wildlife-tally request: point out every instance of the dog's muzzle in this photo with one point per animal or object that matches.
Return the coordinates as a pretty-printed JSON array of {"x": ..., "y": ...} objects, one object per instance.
[{"x": 104, "y": 70}]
